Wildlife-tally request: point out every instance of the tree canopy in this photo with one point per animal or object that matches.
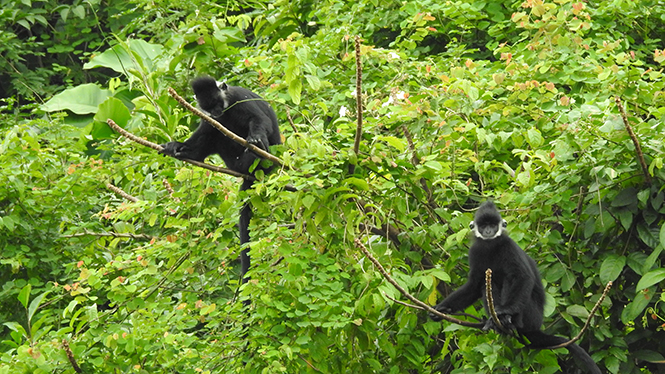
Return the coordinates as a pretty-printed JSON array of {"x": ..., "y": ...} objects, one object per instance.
[{"x": 116, "y": 259}]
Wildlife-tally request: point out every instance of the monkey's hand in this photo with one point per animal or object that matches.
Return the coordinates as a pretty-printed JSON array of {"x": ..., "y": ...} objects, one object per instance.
[
  {"x": 506, "y": 321},
  {"x": 441, "y": 308},
  {"x": 259, "y": 140},
  {"x": 175, "y": 149}
]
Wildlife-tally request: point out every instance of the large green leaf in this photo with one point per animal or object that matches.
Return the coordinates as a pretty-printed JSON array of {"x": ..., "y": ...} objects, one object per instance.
[
  {"x": 83, "y": 99},
  {"x": 142, "y": 56},
  {"x": 637, "y": 306},
  {"x": 651, "y": 278},
  {"x": 611, "y": 268},
  {"x": 113, "y": 109}
]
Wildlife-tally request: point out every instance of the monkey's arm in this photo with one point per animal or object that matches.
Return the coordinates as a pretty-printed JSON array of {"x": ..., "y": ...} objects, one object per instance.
[
  {"x": 202, "y": 143},
  {"x": 464, "y": 296}
]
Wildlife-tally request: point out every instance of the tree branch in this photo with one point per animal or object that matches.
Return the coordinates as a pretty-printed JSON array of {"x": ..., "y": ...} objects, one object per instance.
[
  {"x": 158, "y": 148},
  {"x": 122, "y": 193},
  {"x": 638, "y": 149},
  {"x": 419, "y": 303},
  {"x": 588, "y": 320},
  {"x": 70, "y": 356},
  {"x": 359, "y": 104},
  {"x": 112, "y": 234},
  {"x": 490, "y": 302},
  {"x": 231, "y": 135}
]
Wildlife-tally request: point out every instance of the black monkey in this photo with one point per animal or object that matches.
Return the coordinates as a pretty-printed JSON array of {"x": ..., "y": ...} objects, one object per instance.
[
  {"x": 517, "y": 289},
  {"x": 244, "y": 113}
]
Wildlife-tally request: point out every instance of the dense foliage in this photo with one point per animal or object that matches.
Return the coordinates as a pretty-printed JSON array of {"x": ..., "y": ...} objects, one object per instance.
[{"x": 462, "y": 101}]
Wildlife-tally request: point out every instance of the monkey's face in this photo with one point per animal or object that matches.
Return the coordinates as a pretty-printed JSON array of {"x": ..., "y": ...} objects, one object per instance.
[
  {"x": 210, "y": 95},
  {"x": 488, "y": 229}
]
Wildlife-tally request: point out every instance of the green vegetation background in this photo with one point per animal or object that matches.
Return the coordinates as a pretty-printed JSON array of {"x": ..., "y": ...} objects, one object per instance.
[{"x": 463, "y": 100}]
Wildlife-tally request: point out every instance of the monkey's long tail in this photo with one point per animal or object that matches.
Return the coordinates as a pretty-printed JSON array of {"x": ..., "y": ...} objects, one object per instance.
[
  {"x": 245, "y": 217},
  {"x": 540, "y": 340}
]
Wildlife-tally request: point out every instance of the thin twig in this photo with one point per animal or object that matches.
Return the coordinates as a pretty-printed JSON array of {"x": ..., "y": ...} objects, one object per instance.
[
  {"x": 402, "y": 302},
  {"x": 230, "y": 134},
  {"x": 288, "y": 116},
  {"x": 359, "y": 104},
  {"x": 638, "y": 149},
  {"x": 112, "y": 234},
  {"x": 421, "y": 308},
  {"x": 588, "y": 320},
  {"x": 122, "y": 193},
  {"x": 158, "y": 148},
  {"x": 390, "y": 280}
]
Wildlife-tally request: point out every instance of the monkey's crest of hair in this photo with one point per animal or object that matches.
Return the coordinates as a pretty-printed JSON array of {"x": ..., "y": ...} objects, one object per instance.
[{"x": 487, "y": 214}]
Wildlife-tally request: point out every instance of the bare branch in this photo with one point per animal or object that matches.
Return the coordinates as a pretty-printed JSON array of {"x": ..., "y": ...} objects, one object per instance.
[
  {"x": 158, "y": 148},
  {"x": 588, "y": 320},
  {"x": 112, "y": 234},
  {"x": 231, "y": 135},
  {"x": 490, "y": 301},
  {"x": 70, "y": 356},
  {"x": 288, "y": 116},
  {"x": 638, "y": 149},
  {"x": 426, "y": 307},
  {"x": 122, "y": 193},
  {"x": 170, "y": 190}
]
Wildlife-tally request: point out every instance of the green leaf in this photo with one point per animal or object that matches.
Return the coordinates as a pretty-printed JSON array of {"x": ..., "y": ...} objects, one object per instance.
[
  {"x": 79, "y": 11},
  {"x": 113, "y": 109},
  {"x": 295, "y": 88},
  {"x": 534, "y": 138},
  {"x": 661, "y": 236},
  {"x": 229, "y": 35},
  {"x": 119, "y": 59},
  {"x": 611, "y": 268},
  {"x": 24, "y": 295},
  {"x": 625, "y": 217},
  {"x": 83, "y": 99},
  {"x": 578, "y": 311},
  {"x": 625, "y": 197},
  {"x": 439, "y": 274},
  {"x": 398, "y": 143},
  {"x": 649, "y": 356},
  {"x": 36, "y": 302},
  {"x": 637, "y": 306},
  {"x": 360, "y": 184},
  {"x": 648, "y": 235},
  {"x": 650, "y": 278},
  {"x": 313, "y": 81},
  {"x": 14, "y": 326}
]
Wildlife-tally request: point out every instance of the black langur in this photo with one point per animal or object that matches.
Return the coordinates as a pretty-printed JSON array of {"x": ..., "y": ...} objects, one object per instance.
[
  {"x": 517, "y": 289},
  {"x": 247, "y": 115}
]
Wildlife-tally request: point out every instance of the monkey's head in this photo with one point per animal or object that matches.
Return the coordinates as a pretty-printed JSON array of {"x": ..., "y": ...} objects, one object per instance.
[
  {"x": 211, "y": 95},
  {"x": 487, "y": 223}
]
